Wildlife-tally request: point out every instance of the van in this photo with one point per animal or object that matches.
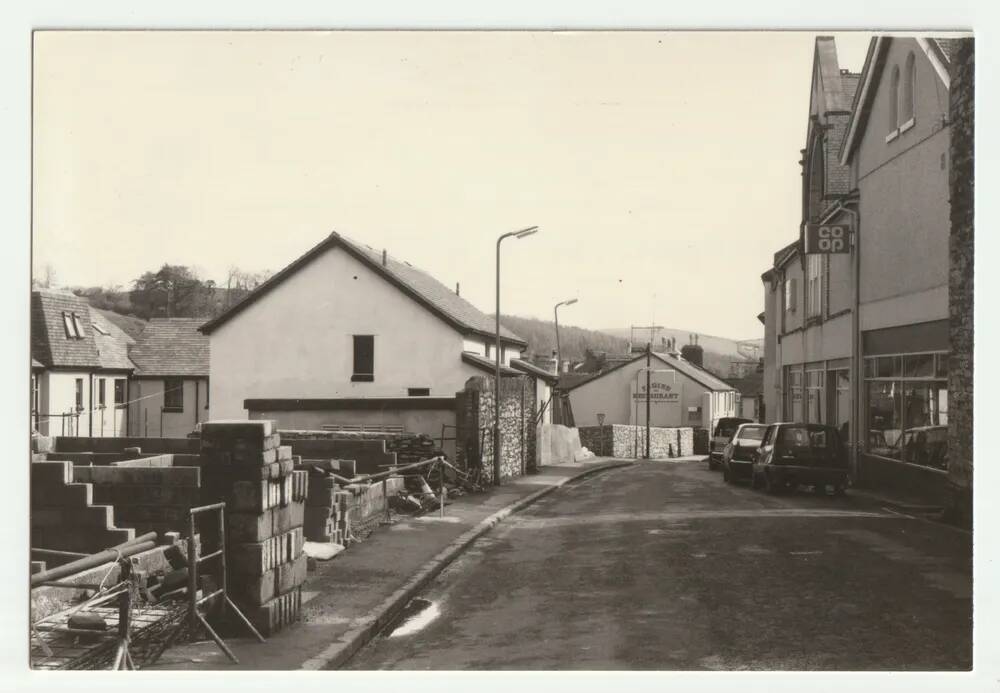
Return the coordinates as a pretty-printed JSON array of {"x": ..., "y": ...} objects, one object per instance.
[{"x": 721, "y": 435}]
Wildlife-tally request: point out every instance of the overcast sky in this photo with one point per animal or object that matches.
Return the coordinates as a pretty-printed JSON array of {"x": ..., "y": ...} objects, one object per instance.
[{"x": 662, "y": 168}]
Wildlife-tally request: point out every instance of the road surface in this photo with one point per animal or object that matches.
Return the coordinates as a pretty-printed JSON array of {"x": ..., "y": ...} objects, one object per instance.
[{"x": 664, "y": 566}]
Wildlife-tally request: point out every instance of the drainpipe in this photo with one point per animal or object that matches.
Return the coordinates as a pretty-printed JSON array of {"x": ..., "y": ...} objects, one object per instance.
[
  {"x": 857, "y": 409},
  {"x": 90, "y": 408}
]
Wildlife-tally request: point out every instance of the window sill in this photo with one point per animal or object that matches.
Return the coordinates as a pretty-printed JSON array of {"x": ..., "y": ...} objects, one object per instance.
[
  {"x": 362, "y": 378},
  {"x": 892, "y": 135},
  {"x": 906, "y": 126},
  {"x": 173, "y": 410}
]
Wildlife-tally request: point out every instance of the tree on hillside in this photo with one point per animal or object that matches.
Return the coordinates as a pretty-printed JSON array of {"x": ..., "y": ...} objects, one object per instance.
[
  {"x": 239, "y": 283},
  {"x": 173, "y": 291},
  {"x": 46, "y": 279}
]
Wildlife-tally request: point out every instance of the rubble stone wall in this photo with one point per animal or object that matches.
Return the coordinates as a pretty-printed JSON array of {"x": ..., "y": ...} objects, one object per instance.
[
  {"x": 619, "y": 440},
  {"x": 518, "y": 429},
  {"x": 960, "y": 285}
]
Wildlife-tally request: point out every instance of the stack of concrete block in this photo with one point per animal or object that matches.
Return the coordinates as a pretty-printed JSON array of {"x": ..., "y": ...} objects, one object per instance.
[
  {"x": 320, "y": 519},
  {"x": 244, "y": 464},
  {"x": 63, "y": 514}
]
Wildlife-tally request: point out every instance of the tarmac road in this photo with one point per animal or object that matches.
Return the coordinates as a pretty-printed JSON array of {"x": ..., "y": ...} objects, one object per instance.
[{"x": 664, "y": 566}]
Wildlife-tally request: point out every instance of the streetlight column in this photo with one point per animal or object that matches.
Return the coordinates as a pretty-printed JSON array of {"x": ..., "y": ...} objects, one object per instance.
[
  {"x": 496, "y": 381},
  {"x": 558, "y": 348}
]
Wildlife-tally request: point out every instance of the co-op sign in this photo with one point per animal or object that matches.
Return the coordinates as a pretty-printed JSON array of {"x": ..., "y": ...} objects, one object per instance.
[{"x": 827, "y": 239}]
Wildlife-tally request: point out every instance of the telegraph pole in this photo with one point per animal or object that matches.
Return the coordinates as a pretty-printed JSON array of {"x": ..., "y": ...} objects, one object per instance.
[{"x": 649, "y": 352}]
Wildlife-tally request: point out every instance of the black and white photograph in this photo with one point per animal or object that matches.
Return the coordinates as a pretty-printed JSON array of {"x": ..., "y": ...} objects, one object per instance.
[{"x": 510, "y": 350}]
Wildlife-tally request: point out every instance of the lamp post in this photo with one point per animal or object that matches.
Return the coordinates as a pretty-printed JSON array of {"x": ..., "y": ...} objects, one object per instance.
[
  {"x": 558, "y": 350},
  {"x": 496, "y": 390}
]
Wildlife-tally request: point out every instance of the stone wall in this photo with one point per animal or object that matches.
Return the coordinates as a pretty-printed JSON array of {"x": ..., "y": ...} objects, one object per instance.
[
  {"x": 518, "y": 433},
  {"x": 960, "y": 284},
  {"x": 619, "y": 440}
]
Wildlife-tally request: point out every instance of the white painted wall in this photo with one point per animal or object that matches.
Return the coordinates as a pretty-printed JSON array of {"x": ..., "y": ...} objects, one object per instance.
[
  {"x": 611, "y": 395},
  {"x": 296, "y": 341},
  {"x": 145, "y": 414},
  {"x": 478, "y": 345},
  {"x": 57, "y": 395}
]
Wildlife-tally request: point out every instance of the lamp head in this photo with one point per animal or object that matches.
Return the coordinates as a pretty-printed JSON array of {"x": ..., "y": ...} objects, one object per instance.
[{"x": 526, "y": 232}]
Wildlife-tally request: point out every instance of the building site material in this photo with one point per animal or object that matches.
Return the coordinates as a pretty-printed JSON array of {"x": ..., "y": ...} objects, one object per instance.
[{"x": 129, "y": 548}]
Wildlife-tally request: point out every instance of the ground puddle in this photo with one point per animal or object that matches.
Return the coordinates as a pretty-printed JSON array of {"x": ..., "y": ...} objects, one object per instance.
[{"x": 415, "y": 616}]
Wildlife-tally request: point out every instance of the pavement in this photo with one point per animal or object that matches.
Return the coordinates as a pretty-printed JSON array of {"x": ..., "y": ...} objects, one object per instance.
[
  {"x": 350, "y": 598},
  {"x": 664, "y": 566}
]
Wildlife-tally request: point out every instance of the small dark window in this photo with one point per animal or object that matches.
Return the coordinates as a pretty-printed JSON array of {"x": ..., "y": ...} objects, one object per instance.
[
  {"x": 207, "y": 390},
  {"x": 100, "y": 391},
  {"x": 173, "y": 394},
  {"x": 364, "y": 358},
  {"x": 489, "y": 351},
  {"x": 79, "y": 394},
  {"x": 419, "y": 392},
  {"x": 119, "y": 391}
]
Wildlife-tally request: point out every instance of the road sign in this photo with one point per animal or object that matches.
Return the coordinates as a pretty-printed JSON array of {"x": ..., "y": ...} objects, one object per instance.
[{"x": 827, "y": 239}]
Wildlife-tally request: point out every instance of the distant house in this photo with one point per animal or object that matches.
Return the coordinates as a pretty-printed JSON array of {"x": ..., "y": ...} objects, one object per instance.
[
  {"x": 79, "y": 368},
  {"x": 349, "y": 335},
  {"x": 683, "y": 394},
  {"x": 170, "y": 393}
]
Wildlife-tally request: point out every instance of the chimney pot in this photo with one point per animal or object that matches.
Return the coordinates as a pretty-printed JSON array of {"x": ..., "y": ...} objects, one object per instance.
[
  {"x": 385, "y": 258},
  {"x": 457, "y": 287}
]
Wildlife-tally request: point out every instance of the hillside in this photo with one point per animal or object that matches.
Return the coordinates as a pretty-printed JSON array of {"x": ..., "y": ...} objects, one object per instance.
[
  {"x": 722, "y": 346},
  {"x": 541, "y": 337}
]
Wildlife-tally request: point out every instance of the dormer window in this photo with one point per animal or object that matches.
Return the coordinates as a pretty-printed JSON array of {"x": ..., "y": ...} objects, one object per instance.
[
  {"x": 73, "y": 325},
  {"x": 100, "y": 329}
]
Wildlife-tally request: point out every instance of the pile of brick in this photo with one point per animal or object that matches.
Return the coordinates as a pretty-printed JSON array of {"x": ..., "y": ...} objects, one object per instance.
[
  {"x": 339, "y": 515},
  {"x": 412, "y": 447},
  {"x": 244, "y": 464}
]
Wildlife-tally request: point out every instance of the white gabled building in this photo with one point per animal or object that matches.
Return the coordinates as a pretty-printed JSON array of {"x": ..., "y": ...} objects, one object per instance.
[{"x": 348, "y": 335}]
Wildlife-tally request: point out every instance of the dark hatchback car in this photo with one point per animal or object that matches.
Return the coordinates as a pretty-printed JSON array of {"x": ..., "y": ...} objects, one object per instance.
[
  {"x": 794, "y": 454},
  {"x": 724, "y": 430},
  {"x": 738, "y": 456}
]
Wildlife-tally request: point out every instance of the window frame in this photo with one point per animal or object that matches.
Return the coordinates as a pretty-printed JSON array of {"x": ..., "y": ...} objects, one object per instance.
[
  {"x": 78, "y": 394},
  {"x": 360, "y": 376},
  {"x": 123, "y": 383},
  {"x": 169, "y": 393},
  {"x": 893, "y": 104},
  {"x": 102, "y": 392},
  {"x": 907, "y": 94},
  {"x": 814, "y": 286}
]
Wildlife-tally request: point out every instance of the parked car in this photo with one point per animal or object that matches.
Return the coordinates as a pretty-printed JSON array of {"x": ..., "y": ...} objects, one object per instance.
[
  {"x": 724, "y": 430},
  {"x": 794, "y": 454},
  {"x": 737, "y": 457}
]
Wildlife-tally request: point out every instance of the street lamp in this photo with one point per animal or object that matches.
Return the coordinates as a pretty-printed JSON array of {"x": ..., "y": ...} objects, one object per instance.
[
  {"x": 496, "y": 391},
  {"x": 558, "y": 350}
]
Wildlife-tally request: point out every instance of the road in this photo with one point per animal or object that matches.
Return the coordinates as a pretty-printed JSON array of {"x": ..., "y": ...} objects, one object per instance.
[{"x": 664, "y": 566}]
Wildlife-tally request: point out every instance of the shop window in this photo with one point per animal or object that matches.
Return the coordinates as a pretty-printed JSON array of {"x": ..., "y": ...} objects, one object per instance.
[
  {"x": 364, "y": 358},
  {"x": 907, "y": 409},
  {"x": 173, "y": 394}
]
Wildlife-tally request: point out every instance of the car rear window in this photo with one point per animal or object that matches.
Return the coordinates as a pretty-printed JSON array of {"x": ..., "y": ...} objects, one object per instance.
[
  {"x": 727, "y": 427},
  {"x": 817, "y": 438},
  {"x": 753, "y": 433}
]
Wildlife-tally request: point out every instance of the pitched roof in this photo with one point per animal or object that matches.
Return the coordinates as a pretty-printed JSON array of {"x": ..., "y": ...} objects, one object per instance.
[
  {"x": 485, "y": 364},
  {"x": 695, "y": 373},
  {"x": 111, "y": 341},
  {"x": 129, "y": 324},
  {"x": 171, "y": 347},
  {"x": 50, "y": 343},
  {"x": 414, "y": 282},
  {"x": 532, "y": 369}
]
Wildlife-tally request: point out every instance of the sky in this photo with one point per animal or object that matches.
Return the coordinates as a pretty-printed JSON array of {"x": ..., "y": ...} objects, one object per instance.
[{"x": 662, "y": 168}]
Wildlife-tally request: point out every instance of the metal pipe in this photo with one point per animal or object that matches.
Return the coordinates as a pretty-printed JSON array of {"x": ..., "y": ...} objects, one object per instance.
[
  {"x": 649, "y": 366},
  {"x": 93, "y": 561}
]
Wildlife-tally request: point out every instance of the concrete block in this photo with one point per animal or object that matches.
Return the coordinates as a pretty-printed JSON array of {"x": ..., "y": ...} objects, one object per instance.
[
  {"x": 139, "y": 476},
  {"x": 250, "y": 527},
  {"x": 41, "y": 443},
  {"x": 253, "y": 590},
  {"x": 290, "y": 575},
  {"x": 276, "y": 614},
  {"x": 237, "y": 428},
  {"x": 287, "y": 517},
  {"x": 51, "y": 473},
  {"x": 284, "y": 452}
]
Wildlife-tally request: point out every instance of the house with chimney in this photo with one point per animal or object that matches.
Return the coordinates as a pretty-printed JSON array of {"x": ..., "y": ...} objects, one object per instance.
[{"x": 348, "y": 335}]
